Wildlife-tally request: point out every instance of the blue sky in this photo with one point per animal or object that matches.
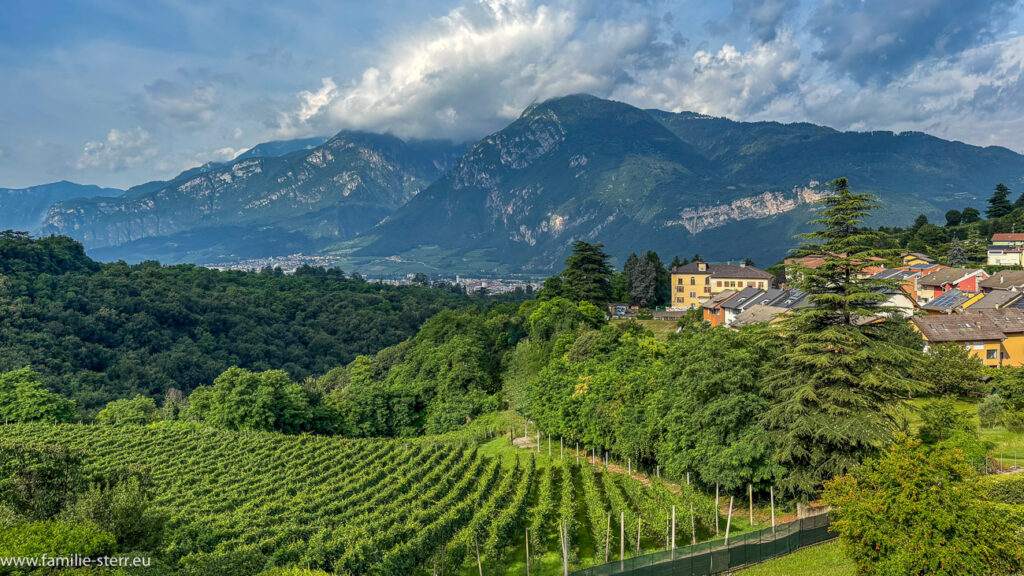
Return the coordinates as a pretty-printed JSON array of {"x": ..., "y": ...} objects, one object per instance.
[{"x": 117, "y": 93}]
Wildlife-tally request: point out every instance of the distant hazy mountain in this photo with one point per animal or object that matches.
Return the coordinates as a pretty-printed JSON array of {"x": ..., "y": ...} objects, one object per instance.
[
  {"x": 580, "y": 167},
  {"x": 277, "y": 205},
  {"x": 570, "y": 168},
  {"x": 24, "y": 208}
]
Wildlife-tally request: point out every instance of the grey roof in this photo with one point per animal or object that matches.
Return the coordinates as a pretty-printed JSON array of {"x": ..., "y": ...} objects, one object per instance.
[
  {"x": 746, "y": 298},
  {"x": 919, "y": 267},
  {"x": 996, "y": 299},
  {"x": 949, "y": 301},
  {"x": 1004, "y": 280},
  {"x": 894, "y": 274},
  {"x": 947, "y": 276},
  {"x": 966, "y": 327},
  {"x": 717, "y": 299},
  {"x": 1009, "y": 320},
  {"x": 724, "y": 271},
  {"x": 919, "y": 255},
  {"x": 793, "y": 299},
  {"x": 757, "y": 314}
]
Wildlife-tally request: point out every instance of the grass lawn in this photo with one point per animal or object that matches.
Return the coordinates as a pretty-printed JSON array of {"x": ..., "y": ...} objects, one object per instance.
[
  {"x": 661, "y": 328},
  {"x": 1005, "y": 444},
  {"x": 822, "y": 560}
]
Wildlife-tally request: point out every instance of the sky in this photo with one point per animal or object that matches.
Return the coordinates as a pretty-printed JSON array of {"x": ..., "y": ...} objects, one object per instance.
[{"x": 118, "y": 93}]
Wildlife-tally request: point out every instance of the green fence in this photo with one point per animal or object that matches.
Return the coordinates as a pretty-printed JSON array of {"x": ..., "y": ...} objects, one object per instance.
[{"x": 715, "y": 556}]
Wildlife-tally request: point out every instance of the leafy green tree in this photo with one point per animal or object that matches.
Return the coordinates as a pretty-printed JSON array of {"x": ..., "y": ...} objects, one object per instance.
[
  {"x": 241, "y": 399},
  {"x": 837, "y": 378},
  {"x": 940, "y": 420},
  {"x": 999, "y": 204},
  {"x": 950, "y": 369},
  {"x": 920, "y": 221},
  {"x": 990, "y": 411},
  {"x": 715, "y": 398},
  {"x": 957, "y": 256},
  {"x": 24, "y": 399},
  {"x": 55, "y": 539},
  {"x": 953, "y": 217},
  {"x": 919, "y": 511},
  {"x": 122, "y": 508},
  {"x": 139, "y": 411},
  {"x": 38, "y": 480},
  {"x": 970, "y": 215},
  {"x": 588, "y": 274}
]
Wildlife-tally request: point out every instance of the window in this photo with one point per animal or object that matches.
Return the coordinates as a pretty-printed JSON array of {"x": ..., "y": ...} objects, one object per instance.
[
  {"x": 693, "y": 294},
  {"x": 719, "y": 283},
  {"x": 679, "y": 280},
  {"x": 693, "y": 280},
  {"x": 978, "y": 345},
  {"x": 992, "y": 354}
]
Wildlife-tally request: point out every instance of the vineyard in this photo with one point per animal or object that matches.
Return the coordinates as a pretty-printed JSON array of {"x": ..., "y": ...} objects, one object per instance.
[{"x": 396, "y": 507}]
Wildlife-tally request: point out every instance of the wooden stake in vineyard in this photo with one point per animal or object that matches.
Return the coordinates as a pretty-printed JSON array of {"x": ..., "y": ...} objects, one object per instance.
[
  {"x": 673, "y": 531},
  {"x": 479, "y": 565},
  {"x": 750, "y": 490},
  {"x": 527, "y": 552},
  {"x": 549, "y": 445},
  {"x": 693, "y": 527},
  {"x": 771, "y": 493},
  {"x": 728, "y": 522},
  {"x": 565, "y": 548}
]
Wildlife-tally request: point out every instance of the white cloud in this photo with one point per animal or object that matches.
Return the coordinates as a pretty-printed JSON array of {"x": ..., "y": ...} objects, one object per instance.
[
  {"x": 122, "y": 149},
  {"x": 477, "y": 67}
]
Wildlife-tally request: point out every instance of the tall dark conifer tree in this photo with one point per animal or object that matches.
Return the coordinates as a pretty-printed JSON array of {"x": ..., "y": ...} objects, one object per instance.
[{"x": 838, "y": 376}]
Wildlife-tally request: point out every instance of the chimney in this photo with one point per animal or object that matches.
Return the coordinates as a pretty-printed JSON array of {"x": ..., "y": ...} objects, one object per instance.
[{"x": 743, "y": 264}]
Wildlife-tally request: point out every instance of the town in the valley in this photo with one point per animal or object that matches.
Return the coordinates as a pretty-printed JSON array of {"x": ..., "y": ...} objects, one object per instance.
[{"x": 982, "y": 311}]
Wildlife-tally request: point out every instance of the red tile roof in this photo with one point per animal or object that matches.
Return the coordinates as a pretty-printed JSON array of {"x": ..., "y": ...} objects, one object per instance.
[{"x": 1008, "y": 237}]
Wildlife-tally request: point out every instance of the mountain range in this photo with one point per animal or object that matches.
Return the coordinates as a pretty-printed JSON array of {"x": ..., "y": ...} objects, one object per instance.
[{"x": 576, "y": 167}]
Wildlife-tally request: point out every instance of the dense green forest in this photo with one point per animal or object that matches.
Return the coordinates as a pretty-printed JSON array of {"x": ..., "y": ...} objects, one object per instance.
[{"x": 98, "y": 332}]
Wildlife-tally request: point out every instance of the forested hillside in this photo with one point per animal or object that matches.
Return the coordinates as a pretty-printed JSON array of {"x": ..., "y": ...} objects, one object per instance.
[{"x": 97, "y": 332}]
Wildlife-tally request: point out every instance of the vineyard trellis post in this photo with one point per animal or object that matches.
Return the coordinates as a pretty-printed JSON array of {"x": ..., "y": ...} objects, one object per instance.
[
  {"x": 668, "y": 519},
  {"x": 772, "y": 496},
  {"x": 565, "y": 549},
  {"x": 561, "y": 448},
  {"x": 693, "y": 527},
  {"x": 750, "y": 491},
  {"x": 629, "y": 470},
  {"x": 527, "y": 551},
  {"x": 728, "y": 521},
  {"x": 687, "y": 478},
  {"x": 673, "y": 531},
  {"x": 549, "y": 445},
  {"x": 479, "y": 565}
]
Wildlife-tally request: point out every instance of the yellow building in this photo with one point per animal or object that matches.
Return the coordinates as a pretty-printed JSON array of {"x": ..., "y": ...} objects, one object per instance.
[
  {"x": 696, "y": 282},
  {"x": 912, "y": 258},
  {"x": 994, "y": 336}
]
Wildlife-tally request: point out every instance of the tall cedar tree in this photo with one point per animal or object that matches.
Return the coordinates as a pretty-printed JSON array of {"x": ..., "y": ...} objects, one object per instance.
[
  {"x": 587, "y": 275},
  {"x": 663, "y": 282},
  {"x": 837, "y": 376},
  {"x": 999, "y": 204}
]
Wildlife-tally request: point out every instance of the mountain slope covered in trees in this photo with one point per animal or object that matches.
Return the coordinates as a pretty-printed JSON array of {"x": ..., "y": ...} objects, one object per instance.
[
  {"x": 97, "y": 332},
  {"x": 582, "y": 168}
]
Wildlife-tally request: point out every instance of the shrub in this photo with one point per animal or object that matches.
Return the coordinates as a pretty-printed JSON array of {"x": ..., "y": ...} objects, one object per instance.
[
  {"x": 124, "y": 509},
  {"x": 139, "y": 410},
  {"x": 950, "y": 369},
  {"x": 55, "y": 538},
  {"x": 919, "y": 510},
  {"x": 942, "y": 420},
  {"x": 1014, "y": 421},
  {"x": 990, "y": 411},
  {"x": 1006, "y": 488}
]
